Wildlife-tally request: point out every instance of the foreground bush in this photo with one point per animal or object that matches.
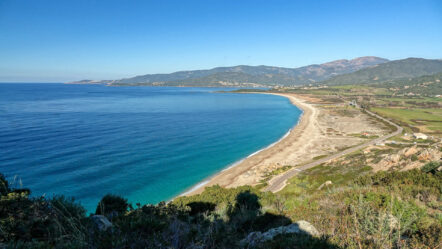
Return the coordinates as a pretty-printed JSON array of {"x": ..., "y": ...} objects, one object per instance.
[
  {"x": 382, "y": 210},
  {"x": 112, "y": 205},
  {"x": 27, "y": 220}
]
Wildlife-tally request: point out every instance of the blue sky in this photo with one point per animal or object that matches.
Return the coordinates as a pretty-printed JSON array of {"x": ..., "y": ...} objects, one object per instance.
[{"x": 57, "y": 40}]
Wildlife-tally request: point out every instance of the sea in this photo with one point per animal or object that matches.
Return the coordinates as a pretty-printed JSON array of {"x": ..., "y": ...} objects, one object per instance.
[{"x": 147, "y": 144}]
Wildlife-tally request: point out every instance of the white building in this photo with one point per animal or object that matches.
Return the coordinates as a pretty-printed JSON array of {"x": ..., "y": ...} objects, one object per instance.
[{"x": 420, "y": 136}]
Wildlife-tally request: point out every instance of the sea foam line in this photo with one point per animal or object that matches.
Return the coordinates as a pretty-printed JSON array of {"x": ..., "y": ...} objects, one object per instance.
[
  {"x": 207, "y": 180},
  {"x": 199, "y": 185}
]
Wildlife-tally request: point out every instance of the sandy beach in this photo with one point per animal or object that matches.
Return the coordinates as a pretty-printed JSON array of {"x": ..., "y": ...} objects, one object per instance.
[{"x": 322, "y": 130}]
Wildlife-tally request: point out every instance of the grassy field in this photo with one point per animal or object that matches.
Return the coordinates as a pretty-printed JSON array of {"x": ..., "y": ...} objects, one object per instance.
[
  {"x": 408, "y": 99},
  {"x": 352, "y": 90},
  {"x": 426, "y": 119},
  {"x": 348, "y": 90}
]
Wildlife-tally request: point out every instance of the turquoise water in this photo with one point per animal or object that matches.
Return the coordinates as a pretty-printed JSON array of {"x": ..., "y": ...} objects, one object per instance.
[{"x": 146, "y": 143}]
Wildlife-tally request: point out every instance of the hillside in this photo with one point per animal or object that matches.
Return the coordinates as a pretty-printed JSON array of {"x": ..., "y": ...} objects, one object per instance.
[
  {"x": 262, "y": 75},
  {"x": 427, "y": 85},
  {"x": 399, "y": 69},
  {"x": 236, "y": 78},
  {"x": 357, "y": 209}
]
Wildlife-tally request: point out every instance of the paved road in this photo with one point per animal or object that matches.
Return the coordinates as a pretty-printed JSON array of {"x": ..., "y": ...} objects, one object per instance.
[
  {"x": 404, "y": 143},
  {"x": 278, "y": 182}
]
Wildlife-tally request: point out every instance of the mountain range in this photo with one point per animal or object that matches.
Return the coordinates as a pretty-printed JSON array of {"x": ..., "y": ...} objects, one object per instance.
[
  {"x": 362, "y": 70},
  {"x": 249, "y": 75}
]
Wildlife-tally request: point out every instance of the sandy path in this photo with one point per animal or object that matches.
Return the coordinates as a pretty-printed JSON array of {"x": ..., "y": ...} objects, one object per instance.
[{"x": 285, "y": 152}]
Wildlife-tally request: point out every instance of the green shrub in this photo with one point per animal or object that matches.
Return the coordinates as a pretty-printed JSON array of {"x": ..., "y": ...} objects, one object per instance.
[
  {"x": 4, "y": 186},
  {"x": 408, "y": 213},
  {"x": 414, "y": 158},
  {"x": 409, "y": 178},
  {"x": 226, "y": 196},
  {"x": 247, "y": 200},
  {"x": 67, "y": 206},
  {"x": 111, "y": 205},
  {"x": 200, "y": 207},
  {"x": 430, "y": 167},
  {"x": 37, "y": 222},
  {"x": 427, "y": 237},
  {"x": 382, "y": 225},
  {"x": 268, "y": 220},
  {"x": 303, "y": 241}
]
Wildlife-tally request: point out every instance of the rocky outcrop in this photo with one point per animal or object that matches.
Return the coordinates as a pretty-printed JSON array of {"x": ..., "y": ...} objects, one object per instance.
[
  {"x": 425, "y": 155},
  {"x": 410, "y": 151},
  {"x": 408, "y": 158},
  {"x": 101, "y": 222},
  {"x": 387, "y": 162},
  {"x": 300, "y": 227}
]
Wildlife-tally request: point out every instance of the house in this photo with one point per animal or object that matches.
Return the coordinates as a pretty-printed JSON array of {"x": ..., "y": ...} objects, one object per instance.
[
  {"x": 420, "y": 136},
  {"x": 352, "y": 103}
]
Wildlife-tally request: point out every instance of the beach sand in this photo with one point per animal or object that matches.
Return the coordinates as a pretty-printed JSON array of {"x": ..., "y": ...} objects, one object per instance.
[{"x": 322, "y": 130}]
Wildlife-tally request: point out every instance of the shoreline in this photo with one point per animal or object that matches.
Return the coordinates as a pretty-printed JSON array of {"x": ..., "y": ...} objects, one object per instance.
[
  {"x": 207, "y": 180},
  {"x": 229, "y": 176}
]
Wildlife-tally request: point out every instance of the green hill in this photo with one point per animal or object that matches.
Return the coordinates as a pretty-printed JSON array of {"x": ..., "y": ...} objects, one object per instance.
[
  {"x": 427, "y": 85},
  {"x": 233, "y": 78},
  {"x": 399, "y": 69}
]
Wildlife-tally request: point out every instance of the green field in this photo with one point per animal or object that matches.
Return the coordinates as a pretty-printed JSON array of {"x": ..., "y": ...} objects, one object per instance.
[
  {"x": 409, "y": 102},
  {"x": 408, "y": 99},
  {"x": 427, "y": 120},
  {"x": 347, "y": 90}
]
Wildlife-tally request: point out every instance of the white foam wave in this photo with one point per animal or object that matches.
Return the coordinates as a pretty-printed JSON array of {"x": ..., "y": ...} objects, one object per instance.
[{"x": 199, "y": 185}]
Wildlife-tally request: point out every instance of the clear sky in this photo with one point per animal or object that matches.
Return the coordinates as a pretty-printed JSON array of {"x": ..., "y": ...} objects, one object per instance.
[{"x": 61, "y": 40}]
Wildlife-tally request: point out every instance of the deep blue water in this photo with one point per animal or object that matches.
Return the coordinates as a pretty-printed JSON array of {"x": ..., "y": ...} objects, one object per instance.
[{"x": 146, "y": 143}]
